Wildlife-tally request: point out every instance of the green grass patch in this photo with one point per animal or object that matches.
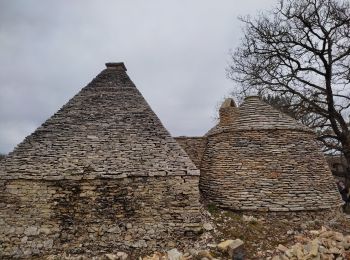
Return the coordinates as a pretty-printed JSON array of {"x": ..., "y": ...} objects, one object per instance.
[{"x": 212, "y": 208}]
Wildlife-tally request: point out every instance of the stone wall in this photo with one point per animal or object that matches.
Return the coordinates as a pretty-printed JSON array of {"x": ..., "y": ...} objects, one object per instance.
[
  {"x": 74, "y": 216},
  {"x": 267, "y": 170},
  {"x": 101, "y": 172},
  {"x": 194, "y": 147}
]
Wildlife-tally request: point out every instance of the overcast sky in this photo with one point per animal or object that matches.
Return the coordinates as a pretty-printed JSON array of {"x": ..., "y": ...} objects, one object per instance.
[{"x": 175, "y": 51}]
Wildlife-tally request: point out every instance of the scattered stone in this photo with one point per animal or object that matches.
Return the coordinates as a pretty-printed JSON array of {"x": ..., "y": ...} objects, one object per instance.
[
  {"x": 326, "y": 245},
  {"x": 236, "y": 244},
  {"x": 174, "y": 254},
  {"x": 223, "y": 246},
  {"x": 250, "y": 219},
  {"x": 290, "y": 232},
  {"x": 314, "y": 247},
  {"x": 111, "y": 256},
  {"x": 208, "y": 226},
  {"x": 122, "y": 255},
  {"x": 236, "y": 248},
  {"x": 155, "y": 256},
  {"x": 129, "y": 226},
  {"x": 211, "y": 245},
  {"x": 282, "y": 248},
  {"x": 204, "y": 254},
  {"x": 171, "y": 244},
  {"x": 231, "y": 247},
  {"x": 314, "y": 232}
]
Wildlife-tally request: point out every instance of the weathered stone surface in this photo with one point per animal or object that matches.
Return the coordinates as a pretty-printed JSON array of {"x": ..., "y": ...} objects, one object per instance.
[
  {"x": 72, "y": 217},
  {"x": 112, "y": 256},
  {"x": 235, "y": 247},
  {"x": 326, "y": 244},
  {"x": 262, "y": 160},
  {"x": 107, "y": 130},
  {"x": 101, "y": 173},
  {"x": 208, "y": 226},
  {"x": 282, "y": 248},
  {"x": 223, "y": 246},
  {"x": 194, "y": 147},
  {"x": 31, "y": 231},
  {"x": 174, "y": 254}
]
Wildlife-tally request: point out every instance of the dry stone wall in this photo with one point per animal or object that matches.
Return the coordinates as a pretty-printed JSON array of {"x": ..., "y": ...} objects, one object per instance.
[
  {"x": 258, "y": 159},
  {"x": 102, "y": 172},
  {"x": 40, "y": 217},
  {"x": 194, "y": 147},
  {"x": 263, "y": 170}
]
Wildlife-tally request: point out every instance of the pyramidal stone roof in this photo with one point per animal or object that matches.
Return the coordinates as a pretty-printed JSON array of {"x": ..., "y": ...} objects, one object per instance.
[
  {"x": 107, "y": 130},
  {"x": 255, "y": 114}
]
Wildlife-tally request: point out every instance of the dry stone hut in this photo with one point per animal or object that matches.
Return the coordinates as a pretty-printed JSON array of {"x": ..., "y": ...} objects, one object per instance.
[
  {"x": 101, "y": 173},
  {"x": 259, "y": 159}
]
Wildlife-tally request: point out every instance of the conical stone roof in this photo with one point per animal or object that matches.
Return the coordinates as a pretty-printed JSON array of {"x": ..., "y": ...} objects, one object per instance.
[
  {"x": 255, "y": 114},
  {"x": 260, "y": 159},
  {"x": 107, "y": 130}
]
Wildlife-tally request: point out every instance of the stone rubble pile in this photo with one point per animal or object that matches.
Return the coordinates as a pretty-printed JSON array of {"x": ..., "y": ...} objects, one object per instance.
[
  {"x": 323, "y": 244},
  {"x": 228, "y": 249}
]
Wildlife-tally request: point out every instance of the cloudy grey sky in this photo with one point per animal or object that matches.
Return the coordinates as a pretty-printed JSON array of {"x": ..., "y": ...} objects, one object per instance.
[{"x": 175, "y": 51}]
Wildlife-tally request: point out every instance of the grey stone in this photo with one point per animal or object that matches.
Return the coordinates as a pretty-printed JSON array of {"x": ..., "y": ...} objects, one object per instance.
[
  {"x": 174, "y": 254},
  {"x": 31, "y": 231},
  {"x": 48, "y": 244},
  {"x": 208, "y": 226}
]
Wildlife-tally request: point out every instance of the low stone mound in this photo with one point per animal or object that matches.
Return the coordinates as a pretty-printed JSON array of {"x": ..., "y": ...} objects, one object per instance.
[{"x": 321, "y": 244}]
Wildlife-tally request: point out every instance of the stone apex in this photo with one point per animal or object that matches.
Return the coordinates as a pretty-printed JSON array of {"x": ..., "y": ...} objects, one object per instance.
[
  {"x": 110, "y": 115},
  {"x": 255, "y": 114},
  {"x": 229, "y": 102},
  {"x": 116, "y": 65}
]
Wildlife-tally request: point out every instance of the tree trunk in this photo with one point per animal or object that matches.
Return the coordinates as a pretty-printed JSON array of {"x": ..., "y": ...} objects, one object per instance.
[{"x": 346, "y": 152}]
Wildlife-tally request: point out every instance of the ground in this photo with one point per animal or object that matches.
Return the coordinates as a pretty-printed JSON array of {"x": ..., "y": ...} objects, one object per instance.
[{"x": 261, "y": 233}]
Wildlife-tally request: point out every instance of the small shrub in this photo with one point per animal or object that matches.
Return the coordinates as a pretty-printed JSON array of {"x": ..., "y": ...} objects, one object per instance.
[{"x": 212, "y": 208}]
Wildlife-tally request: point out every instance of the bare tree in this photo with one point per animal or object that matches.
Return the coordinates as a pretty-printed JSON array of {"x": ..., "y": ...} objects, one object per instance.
[{"x": 301, "y": 50}]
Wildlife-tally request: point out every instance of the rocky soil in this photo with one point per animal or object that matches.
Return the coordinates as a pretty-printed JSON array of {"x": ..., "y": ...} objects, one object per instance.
[
  {"x": 231, "y": 235},
  {"x": 318, "y": 244}
]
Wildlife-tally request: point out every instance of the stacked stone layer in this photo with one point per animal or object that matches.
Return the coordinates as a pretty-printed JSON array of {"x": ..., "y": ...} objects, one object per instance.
[
  {"x": 106, "y": 131},
  {"x": 194, "y": 147},
  {"x": 41, "y": 217},
  {"x": 263, "y": 170},
  {"x": 101, "y": 173},
  {"x": 255, "y": 114},
  {"x": 262, "y": 160}
]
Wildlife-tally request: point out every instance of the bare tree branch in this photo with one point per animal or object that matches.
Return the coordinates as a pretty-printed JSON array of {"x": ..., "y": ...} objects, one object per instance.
[{"x": 301, "y": 50}]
